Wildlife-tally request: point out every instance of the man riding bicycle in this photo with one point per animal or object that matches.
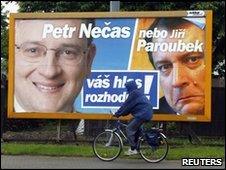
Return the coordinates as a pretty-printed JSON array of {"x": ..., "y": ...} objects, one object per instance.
[{"x": 141, "y": 109}]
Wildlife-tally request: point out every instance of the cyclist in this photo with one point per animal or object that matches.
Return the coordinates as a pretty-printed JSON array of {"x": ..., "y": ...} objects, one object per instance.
[{"x": 141, "y": 109}]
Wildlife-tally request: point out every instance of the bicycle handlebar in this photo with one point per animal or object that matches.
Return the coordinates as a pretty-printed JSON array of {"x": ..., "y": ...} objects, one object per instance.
[{"x": 112, "y": 113}]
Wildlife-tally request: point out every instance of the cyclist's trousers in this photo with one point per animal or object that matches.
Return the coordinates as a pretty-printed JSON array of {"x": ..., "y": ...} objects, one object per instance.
[{"x": 133, "y": 132}]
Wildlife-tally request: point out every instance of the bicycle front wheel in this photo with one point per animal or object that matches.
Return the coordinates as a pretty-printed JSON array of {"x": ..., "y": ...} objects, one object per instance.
[
  {"x": 107, "y": 146},
  {"x": 154, "y": 153}
]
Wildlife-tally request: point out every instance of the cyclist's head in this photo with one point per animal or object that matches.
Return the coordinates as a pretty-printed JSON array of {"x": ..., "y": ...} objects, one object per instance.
[{"x": 130, "y": 86}]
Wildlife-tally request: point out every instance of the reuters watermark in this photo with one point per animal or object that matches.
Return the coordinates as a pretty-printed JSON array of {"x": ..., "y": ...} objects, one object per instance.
[{"x": 202, "y": 161}]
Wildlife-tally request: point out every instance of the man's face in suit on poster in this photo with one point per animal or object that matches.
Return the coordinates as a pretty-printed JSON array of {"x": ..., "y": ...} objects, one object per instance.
[{"x": 182, "y": 74}]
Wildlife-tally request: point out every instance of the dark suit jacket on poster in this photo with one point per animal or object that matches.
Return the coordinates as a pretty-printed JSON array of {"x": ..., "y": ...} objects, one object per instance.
[{"x": 164, "y": 107}]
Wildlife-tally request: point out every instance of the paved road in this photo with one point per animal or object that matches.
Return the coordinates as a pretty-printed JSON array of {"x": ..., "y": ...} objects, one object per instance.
[{"x": 47, "y": 162}]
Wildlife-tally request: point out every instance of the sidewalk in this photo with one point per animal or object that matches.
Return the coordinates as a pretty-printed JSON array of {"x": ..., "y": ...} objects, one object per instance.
[{"x": 46, "y": 162}]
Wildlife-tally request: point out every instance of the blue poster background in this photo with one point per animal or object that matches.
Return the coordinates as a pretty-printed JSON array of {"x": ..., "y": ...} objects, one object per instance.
[{"x": 106, "y": 89}]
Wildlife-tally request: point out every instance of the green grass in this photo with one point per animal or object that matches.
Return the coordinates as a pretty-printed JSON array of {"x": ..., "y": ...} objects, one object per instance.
[
  {"x": 205, "y": 141},
  {"x": 192, "y": 151},
  {"x": 85, "y": 150},
  {"x": 47, "y": 149}
]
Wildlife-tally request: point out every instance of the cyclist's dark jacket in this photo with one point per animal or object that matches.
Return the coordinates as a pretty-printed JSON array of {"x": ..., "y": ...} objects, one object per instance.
[{"x": 137, "y": 103}]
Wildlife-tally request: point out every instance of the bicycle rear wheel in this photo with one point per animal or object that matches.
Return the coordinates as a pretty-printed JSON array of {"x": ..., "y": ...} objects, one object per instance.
[
  {"x": 156, "y": 153},
  {"x": 107, "y": 146}
]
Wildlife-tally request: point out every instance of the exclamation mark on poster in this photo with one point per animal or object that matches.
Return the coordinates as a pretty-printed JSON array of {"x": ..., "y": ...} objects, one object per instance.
[{"x": 147, "y": 85}]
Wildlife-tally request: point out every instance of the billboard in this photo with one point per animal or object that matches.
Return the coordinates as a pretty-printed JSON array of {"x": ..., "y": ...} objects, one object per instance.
[{"x": 75, "y": 65}]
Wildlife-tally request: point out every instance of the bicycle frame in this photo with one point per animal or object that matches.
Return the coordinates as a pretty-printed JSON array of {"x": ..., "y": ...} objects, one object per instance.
[
  {"x": 117, "y": 130},
  {"x": 113, "y": 137}
]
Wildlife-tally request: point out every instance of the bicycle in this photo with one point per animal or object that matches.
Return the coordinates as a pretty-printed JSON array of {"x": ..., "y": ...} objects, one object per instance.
[{"x": 152, "y": 145}]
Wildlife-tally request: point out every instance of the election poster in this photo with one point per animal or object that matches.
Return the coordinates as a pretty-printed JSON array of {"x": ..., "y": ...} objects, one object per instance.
[{"x": 75, "y": 65}]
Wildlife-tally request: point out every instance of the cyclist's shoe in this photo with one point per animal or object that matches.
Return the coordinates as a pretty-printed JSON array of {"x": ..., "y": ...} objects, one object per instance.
[
  {"x": 131, "y": 152},
  {"x": 107, "y": 144}
]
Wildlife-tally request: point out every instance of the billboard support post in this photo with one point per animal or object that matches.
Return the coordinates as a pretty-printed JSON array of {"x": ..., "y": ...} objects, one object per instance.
[
  {"x": 58, "y": 130},
  {"x": 192, "y": 136},
  {"x": 114, "y": 6}
]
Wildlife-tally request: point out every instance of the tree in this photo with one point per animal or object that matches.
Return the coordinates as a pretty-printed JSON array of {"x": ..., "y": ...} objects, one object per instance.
[
  {"x": 4, "y": 25},
  {"x": 63, "y": 6},
  {"x": 4, "y": 40}
]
